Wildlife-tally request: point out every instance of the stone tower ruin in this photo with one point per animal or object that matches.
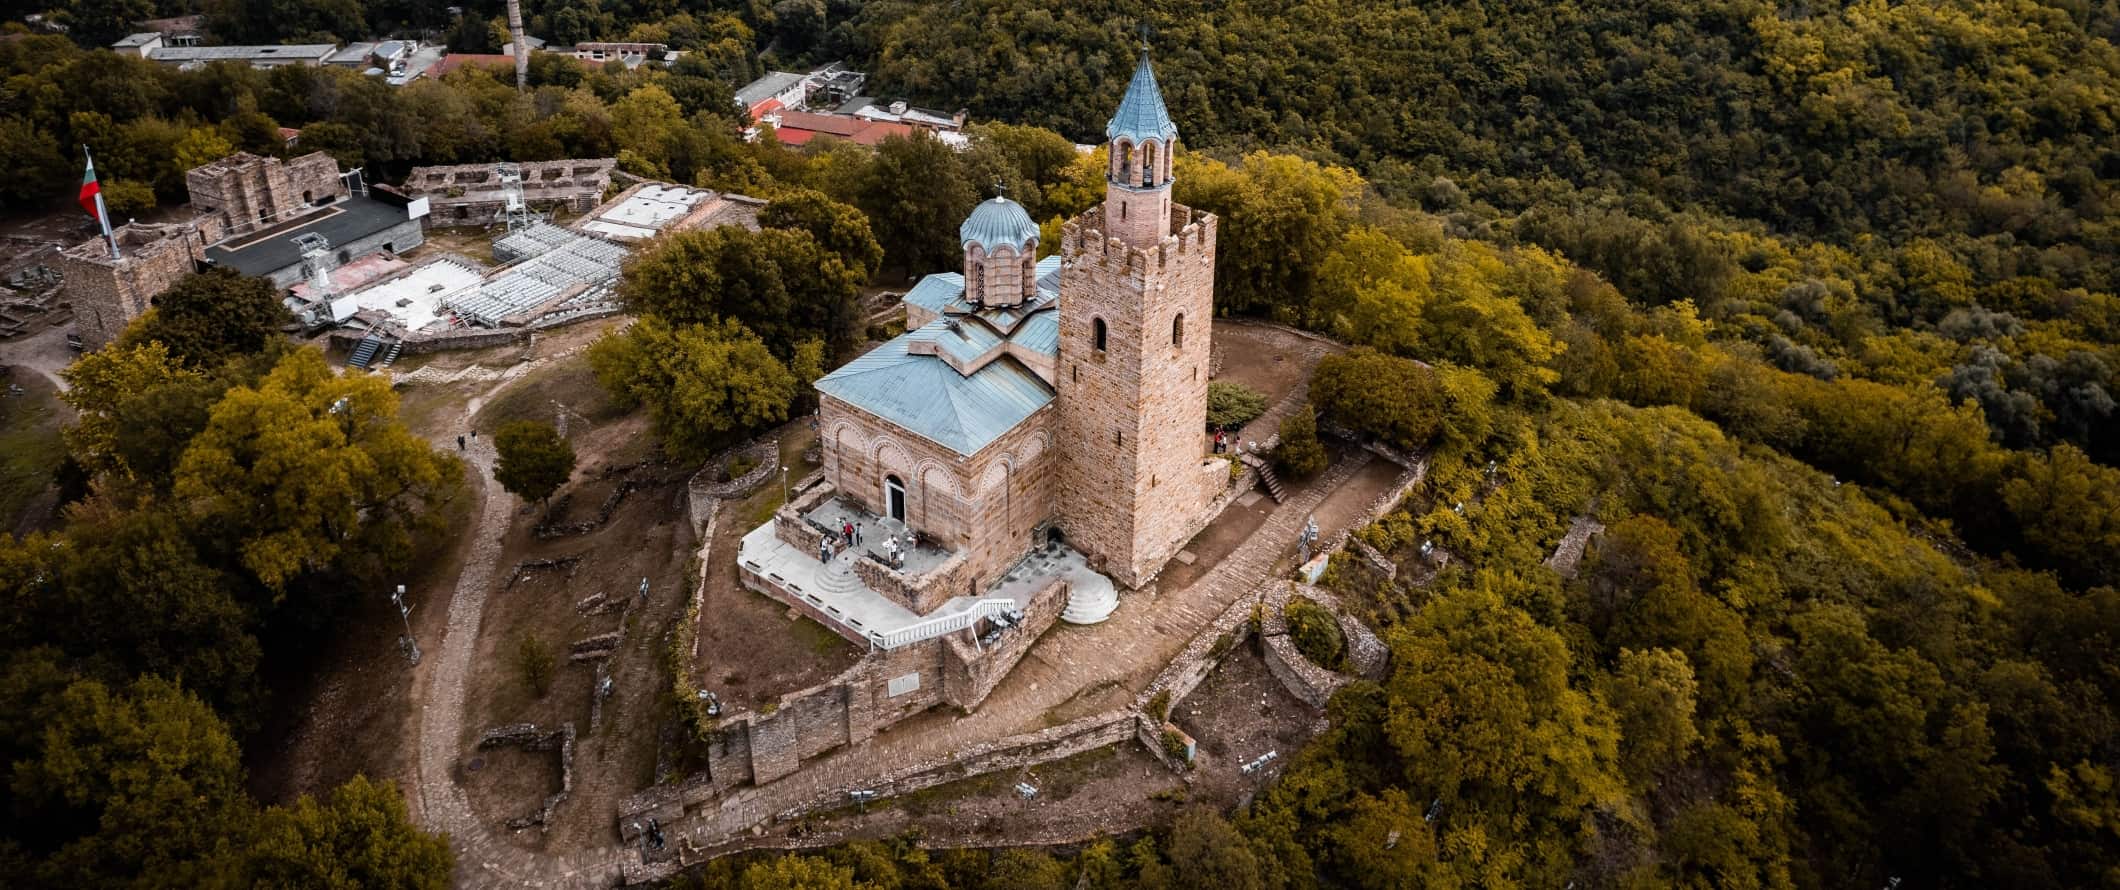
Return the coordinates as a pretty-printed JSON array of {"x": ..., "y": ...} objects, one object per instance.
[{"x": 1136, "y": 308}]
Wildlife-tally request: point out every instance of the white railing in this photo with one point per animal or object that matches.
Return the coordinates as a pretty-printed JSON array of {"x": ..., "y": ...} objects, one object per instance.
[{"x": 943, "y": 624}]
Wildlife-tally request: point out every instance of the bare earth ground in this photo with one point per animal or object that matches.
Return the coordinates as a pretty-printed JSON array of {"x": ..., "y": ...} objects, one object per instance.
[
  {"x": 30, "y": 449},
  {"x": 752, "y": 649}
]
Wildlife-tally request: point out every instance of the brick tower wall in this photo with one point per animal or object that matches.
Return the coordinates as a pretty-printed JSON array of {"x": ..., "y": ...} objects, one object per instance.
[{"x": 1134, "y": 473}]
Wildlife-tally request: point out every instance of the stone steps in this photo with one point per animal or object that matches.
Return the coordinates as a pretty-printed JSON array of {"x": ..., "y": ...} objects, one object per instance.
[{"x": 1090, "y": 603}]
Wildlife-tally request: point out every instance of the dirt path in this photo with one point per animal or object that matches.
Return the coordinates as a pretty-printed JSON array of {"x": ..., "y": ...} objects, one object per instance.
[
  {"x": 44, "y": 352},
  {"x": 484, "y": 859}
]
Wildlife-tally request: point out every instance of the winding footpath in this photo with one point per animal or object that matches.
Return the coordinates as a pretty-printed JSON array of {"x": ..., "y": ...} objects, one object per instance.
[{"x": 484, "y": 857}]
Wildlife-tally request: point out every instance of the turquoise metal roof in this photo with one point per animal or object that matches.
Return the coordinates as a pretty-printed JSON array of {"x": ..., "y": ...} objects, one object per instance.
[
  {"x": 1040, "y": 332},
  {"x": 936, "y": 292},
  {"x": 966, "y": 341},
  {"x": 1141, "y": 114},
  {"x": 998, "y": 223},
  {"x": 923, "y": 394},
  {"x": 1049, "y": 276}
]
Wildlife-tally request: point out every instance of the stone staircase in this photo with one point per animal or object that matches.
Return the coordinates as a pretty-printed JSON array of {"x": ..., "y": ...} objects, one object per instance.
[
  {"x": 1272, "y": 482},
  {"x": 1090, "y": 601},
  {"x": 838, "y": 578}
]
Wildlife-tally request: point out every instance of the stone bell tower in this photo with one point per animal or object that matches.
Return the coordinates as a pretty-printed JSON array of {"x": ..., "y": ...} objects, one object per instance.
[{"x": 1136, "y": 312}]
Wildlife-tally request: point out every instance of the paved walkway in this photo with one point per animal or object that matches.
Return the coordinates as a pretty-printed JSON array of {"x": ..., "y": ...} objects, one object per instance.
[{"x": 1121, "y": 655}]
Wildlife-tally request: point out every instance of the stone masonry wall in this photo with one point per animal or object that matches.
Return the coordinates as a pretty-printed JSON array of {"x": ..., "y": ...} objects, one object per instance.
[
  {"x": 1132, "y": 416},
  {"x": 245, "y": 192},
  {"x": 972, "y": 673},
  {"x": 108, "y": 294},
  {"x": 984, "y": 506}
]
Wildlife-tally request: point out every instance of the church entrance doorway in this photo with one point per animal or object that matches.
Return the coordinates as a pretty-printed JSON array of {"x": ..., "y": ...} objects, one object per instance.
[{"x": 894, "y": 498}]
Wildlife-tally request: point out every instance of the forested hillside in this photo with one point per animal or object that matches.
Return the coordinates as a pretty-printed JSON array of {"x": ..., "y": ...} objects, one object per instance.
[{"x": 1810, "y": 306}]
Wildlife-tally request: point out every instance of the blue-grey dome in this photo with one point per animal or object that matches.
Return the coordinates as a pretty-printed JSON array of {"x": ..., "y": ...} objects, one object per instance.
[
  {"x": 999, "y": 223},
  {"x": 1141, "y": 114}
]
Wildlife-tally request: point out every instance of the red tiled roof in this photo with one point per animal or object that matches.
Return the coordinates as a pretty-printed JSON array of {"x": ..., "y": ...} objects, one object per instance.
[{"x": 799, "y": 127}]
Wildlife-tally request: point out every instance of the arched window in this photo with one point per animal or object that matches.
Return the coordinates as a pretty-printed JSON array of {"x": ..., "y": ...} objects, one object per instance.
[
  {"x": 1148, "y": 163},
  {"x": 1096, "y": 334},
  {"x": 1177, "y": 331},
  {"x": 978, "y": 281}
]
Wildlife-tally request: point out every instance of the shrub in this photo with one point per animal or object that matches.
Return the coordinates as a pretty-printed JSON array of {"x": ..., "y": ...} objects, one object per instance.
[
  {"x": 1174, "y": 745},
  {"x": 1159, "y": 705},
  {"x": 534, "y": 662},
  {"x": 1231, "y": 405},
  {"x": 739, "y": 465},
  {"x": 1300, "y": 452},
  {"x": 1315, "y": 632}
]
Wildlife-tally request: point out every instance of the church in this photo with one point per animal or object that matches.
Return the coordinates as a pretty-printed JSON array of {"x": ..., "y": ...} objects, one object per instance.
[{"x": 1035, "y": 442}]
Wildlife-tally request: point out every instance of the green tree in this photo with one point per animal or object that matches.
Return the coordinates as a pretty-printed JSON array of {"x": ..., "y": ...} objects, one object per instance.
[
  {"x": 535, "y": 460},
  {"x": 1652, "y": 693},
  {"x": 208, "y": 317},
  {"x": 1206, "y": 852},
  {"x": 1300, "y": 453},
  {"x": 134, "y": 789},
  {"x": 915, "y": 194},
  {"x": 1315, "y": 632},
  {"x": 837, "y": 227},
  {"x": 1281, "y": 218},
  {"x": 99, "y": 23},
  {"x": 361, "y": 836},
  {"x": 309, "y": 470},
  {"x": 797, "y": 872},
  {"x": 781, "y": 284},
  {"x": 534, "y": 661},
  {"x": 103, "y": 382},
  {"x": 705, "y": 386},
  {"x": 1394, "y": 399}
]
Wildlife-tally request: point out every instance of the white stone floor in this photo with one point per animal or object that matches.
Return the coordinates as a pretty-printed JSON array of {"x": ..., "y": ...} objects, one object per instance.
[
  {"x": 918, "y": 560},
  {"x": 834, "y": 588},
  {"x": 839, "y": 592}
]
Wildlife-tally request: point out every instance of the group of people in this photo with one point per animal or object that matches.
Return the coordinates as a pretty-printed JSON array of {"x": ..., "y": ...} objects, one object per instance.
[{"x": 850, "y": 536}]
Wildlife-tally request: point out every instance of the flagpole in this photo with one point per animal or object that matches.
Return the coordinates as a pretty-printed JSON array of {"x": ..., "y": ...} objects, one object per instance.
[{"x": 102, "y": 213}]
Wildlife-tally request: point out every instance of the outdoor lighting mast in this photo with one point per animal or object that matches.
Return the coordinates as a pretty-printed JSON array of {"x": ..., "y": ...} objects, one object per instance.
[{"x": 407, "y": 643}]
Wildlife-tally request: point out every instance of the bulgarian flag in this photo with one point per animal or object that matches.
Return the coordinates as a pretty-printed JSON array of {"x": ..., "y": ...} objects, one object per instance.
[
  {"x": 91, "y": 189},
  {"x": 92, "y": 201}
]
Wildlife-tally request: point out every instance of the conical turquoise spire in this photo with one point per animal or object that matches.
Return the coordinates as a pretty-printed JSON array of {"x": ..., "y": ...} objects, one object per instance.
[{"x": 1141, "y": 114}]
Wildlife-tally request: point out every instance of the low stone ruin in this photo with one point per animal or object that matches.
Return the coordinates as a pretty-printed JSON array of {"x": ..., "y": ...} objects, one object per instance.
[{"x": 530, "y": 737}]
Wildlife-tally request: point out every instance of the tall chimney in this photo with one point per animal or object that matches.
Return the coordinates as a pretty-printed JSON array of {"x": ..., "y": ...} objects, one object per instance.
[{"x": 521, "y": 46}]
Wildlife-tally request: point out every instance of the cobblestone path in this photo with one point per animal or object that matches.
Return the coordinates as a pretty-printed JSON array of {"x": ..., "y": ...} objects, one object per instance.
[{"x": 1131, "y": 647}]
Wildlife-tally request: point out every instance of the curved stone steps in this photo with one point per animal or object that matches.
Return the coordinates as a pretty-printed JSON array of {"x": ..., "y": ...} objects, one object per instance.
[{"x": 1090, "y": 600}]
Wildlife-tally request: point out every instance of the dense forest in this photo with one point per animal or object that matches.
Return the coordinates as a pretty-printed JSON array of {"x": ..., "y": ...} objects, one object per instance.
[{"x": 1812, "y": 306}]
